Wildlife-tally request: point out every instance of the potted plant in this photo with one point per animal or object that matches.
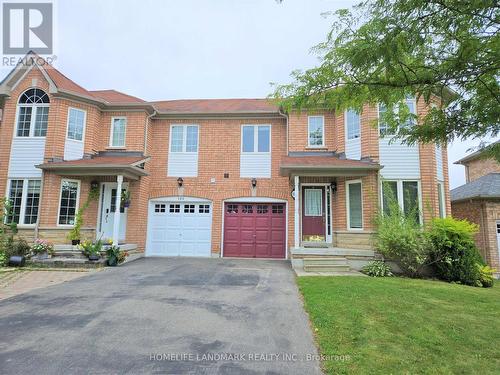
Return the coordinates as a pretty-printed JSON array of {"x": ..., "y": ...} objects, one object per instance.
[
  {"x": 42, "y": 249},
  {"x": 125, "y": 198},
  {"x": 115, "y": 255},
  {"x": 74, "y": 234},
  {"x": 92, "y": 250}
]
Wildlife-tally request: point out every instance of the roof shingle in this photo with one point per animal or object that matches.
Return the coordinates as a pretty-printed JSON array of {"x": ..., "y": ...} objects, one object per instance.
[{"x": 487, "y": 186}]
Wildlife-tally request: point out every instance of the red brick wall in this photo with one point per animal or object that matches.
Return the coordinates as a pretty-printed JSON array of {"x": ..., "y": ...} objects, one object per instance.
[
  {"x": 480, "y": 167},
  {"x": 298, "y": 132}
]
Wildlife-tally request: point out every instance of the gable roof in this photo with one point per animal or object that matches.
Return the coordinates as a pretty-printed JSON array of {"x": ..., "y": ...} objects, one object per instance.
[
  {"x": 487, "y": 186},
  {"x": 476, "y": 154},
  {"x": 113, "y": 96}
]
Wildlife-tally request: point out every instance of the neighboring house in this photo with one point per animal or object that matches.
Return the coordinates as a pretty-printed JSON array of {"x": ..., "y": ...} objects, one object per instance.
[
  {"x": 479, "y": 202},
  {"x": 228, "y": 177}
]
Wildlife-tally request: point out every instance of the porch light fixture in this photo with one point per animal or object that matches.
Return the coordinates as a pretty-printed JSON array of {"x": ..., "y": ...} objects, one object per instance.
[
  {"x": 333, "y": 186},
  {"x": 254, "y": 182},
  {"x": 180, "y": 181},
  {"x": 94, "y": 185}
]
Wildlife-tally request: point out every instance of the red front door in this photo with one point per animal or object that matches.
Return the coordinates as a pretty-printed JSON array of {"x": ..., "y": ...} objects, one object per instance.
[
  {"x": 254, "y": 230},
  {"x": 313, "y": 213}
]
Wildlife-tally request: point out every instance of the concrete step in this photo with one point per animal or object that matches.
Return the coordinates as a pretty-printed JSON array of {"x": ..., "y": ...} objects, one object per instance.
[
  {"x": 326, "y": 268},
  {"x": 334, "y": 261},
  {"x": 302, "y": 252}
]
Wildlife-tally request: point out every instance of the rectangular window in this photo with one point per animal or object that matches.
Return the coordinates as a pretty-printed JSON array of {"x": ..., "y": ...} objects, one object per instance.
[
  {"x": 316, "y": 131},
  {"x": 69, "y": 202},
  {"x": 277, "y": 209},
  {"x": 384, "y": 128},
  {"x": 313, "y": 205},
  {"x": 204, "y": 209},
  {"x": 442, "y": 209},
  {"x": 76, "y": 124},
  {"x": 32, "y": 202},
  {"x": 256, "y": 138},
  {"x": 232, "y": 208},
  {"x": 118, "y": 131},
  {"x": 41, "y": 121},
  {"x": 184, "y": 138},
  {"x": 160, "y": 208},
  {"x": 410, "y": 196},
  {"x": 353, "y": 124},
  {"x": 189, "y": 209},
  {"x": 262, "y": 209},
  {"x": 24, "y": 121},
  {"x": 24, "y": 198},
  {"x": 174, "y": 208},
  {"x": 389, "y": 195},
  {"x": 354, "y": 204},
  {"x": 15, "y": 199}
]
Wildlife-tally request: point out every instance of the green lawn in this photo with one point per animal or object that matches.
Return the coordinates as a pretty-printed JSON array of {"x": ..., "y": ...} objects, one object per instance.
[{"x": 403, "y": 326}]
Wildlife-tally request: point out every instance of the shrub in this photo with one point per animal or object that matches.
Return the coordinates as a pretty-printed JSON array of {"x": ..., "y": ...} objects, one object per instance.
[
  {"x": 486, "y": 275},
  {"x": 400, "y": 238},
  {"x": 3, "y": 259},
  {"x": 377, "y": 269},
  {"x": 115, "y": 255},
  {"x": 18, "y": 247},
  {"x": 453, "y": 252}
]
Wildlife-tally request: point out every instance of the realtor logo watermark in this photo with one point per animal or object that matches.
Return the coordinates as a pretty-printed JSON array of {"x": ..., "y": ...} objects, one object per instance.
[{"x": 27, "y": 26}]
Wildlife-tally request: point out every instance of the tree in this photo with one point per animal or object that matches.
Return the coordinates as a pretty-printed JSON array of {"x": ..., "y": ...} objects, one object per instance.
[{"x": 446, "y": 52}]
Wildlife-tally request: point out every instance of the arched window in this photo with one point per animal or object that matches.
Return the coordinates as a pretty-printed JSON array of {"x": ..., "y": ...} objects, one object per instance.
[{"x": 33, "y": 114}]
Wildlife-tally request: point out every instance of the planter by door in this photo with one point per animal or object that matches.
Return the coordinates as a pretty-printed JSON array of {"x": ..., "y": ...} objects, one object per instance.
[{"x": 313, "y": 214}]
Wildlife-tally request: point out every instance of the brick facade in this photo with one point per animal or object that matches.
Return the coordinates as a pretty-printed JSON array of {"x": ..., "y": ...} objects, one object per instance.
[
  {"x": 218, "y": 154},
  {"x": 480, "y": 167}
]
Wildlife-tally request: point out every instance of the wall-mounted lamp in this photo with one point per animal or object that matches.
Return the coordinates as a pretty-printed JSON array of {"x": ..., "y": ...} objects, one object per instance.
[
  {"x": 94, "y": 185},
  {"x": 254, "y": 182},
  {"x": 333, "y": 186},
  {"x": 180, "y": 181}
]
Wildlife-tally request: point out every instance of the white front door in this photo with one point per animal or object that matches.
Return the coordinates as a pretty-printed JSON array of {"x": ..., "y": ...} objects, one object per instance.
[
  {"x": 107, "y": 214},
  {"x": 179, "y": 229}
]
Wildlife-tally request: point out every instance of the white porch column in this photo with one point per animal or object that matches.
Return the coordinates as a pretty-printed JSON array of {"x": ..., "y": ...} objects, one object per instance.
[
  {"x": 297, "y": 213},
  {"x": 116, "y": 221}
]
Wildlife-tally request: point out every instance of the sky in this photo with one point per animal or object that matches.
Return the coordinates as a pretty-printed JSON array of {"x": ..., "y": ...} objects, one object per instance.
[{"x": 184, "y": 49}]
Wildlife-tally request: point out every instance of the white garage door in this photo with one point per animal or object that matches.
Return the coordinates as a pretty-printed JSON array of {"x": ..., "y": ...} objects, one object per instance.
[{"x": 179, "y": 229}]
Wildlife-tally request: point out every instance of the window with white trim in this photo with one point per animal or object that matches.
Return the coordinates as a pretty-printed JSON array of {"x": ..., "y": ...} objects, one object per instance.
[
  {"x": 313, "y": 202},
  {"x": 354, "y": 205},
  {"x": 76, "y": 124},
  {"x": 118, "y": 131},
  {"x": 69, "y": 202},
  {"x": 353, "y": 124},
  {"x": 184, "y": 138},
  {"x": 24, "y": 199},
  {"x": 406, "y": 193},
  {"x": 33, "y": 114},
  {"x": 256, "y": 138},
  {"x": 442, "y": 208},
  {"x": 382, "y": 109},
  {"x": 315, "y": 131}
]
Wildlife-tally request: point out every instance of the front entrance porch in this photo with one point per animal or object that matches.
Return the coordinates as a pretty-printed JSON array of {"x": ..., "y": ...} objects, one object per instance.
[{"x": 332, "y": 231}]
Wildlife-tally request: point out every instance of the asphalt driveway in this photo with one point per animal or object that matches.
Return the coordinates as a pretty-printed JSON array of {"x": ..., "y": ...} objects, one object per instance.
[{"x": 162, "y": 315}]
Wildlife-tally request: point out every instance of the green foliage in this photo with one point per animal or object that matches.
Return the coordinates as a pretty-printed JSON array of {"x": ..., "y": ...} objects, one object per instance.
[
  {"x": 91, "y": 248},
  {"x": 486, "y": 275},
  {"x": 400, "y": 238},
  {"x": 453, "y": 252},
  {"x": 42, "y": 246},
  {"x": 7, "y": 230},
  {"x": 377, "y": 269},
  {"x": 115, "y": 255},
  {"x": 75, "y": 232},
  {"x": 3, "y": 259},
  {"x": 382, "y": 51},
  {"x": 18, "y": 247}
]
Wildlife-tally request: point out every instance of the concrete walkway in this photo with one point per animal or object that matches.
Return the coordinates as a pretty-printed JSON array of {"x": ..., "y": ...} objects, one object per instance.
[{"x": 162, "y": 315}]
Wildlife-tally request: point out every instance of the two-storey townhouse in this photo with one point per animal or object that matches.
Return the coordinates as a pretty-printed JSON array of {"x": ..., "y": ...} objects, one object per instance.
[{"x": 229, "y": 177}]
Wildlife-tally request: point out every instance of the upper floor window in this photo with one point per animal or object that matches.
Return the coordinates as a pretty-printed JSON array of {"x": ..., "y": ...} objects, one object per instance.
[
  {"x": 118, "y": 131},
  {"x": 384, "y": 128},
  {"x": 316, "y": 130},
  {"x": 76, "y": 124},
  {"x": 184, "y": 138},
  {"x": 353, "y": 124},
  {"x": 256, "y": 138},
  {"x": 33, "y": 114}
]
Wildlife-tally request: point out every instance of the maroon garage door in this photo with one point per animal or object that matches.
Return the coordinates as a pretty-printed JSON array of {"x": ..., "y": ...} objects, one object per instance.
[{"x": 254, "y": 230}]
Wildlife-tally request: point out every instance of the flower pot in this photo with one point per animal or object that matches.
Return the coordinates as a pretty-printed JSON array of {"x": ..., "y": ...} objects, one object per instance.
[
  {"x": 42, "y": 256},
  {"x": 112, "y": 261},
  {"x": 126, "y": 204},
  {"x": 17, "y": 261},
  {"x": 94, "y": 257},
  {"x": 75, "y": 242}
]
